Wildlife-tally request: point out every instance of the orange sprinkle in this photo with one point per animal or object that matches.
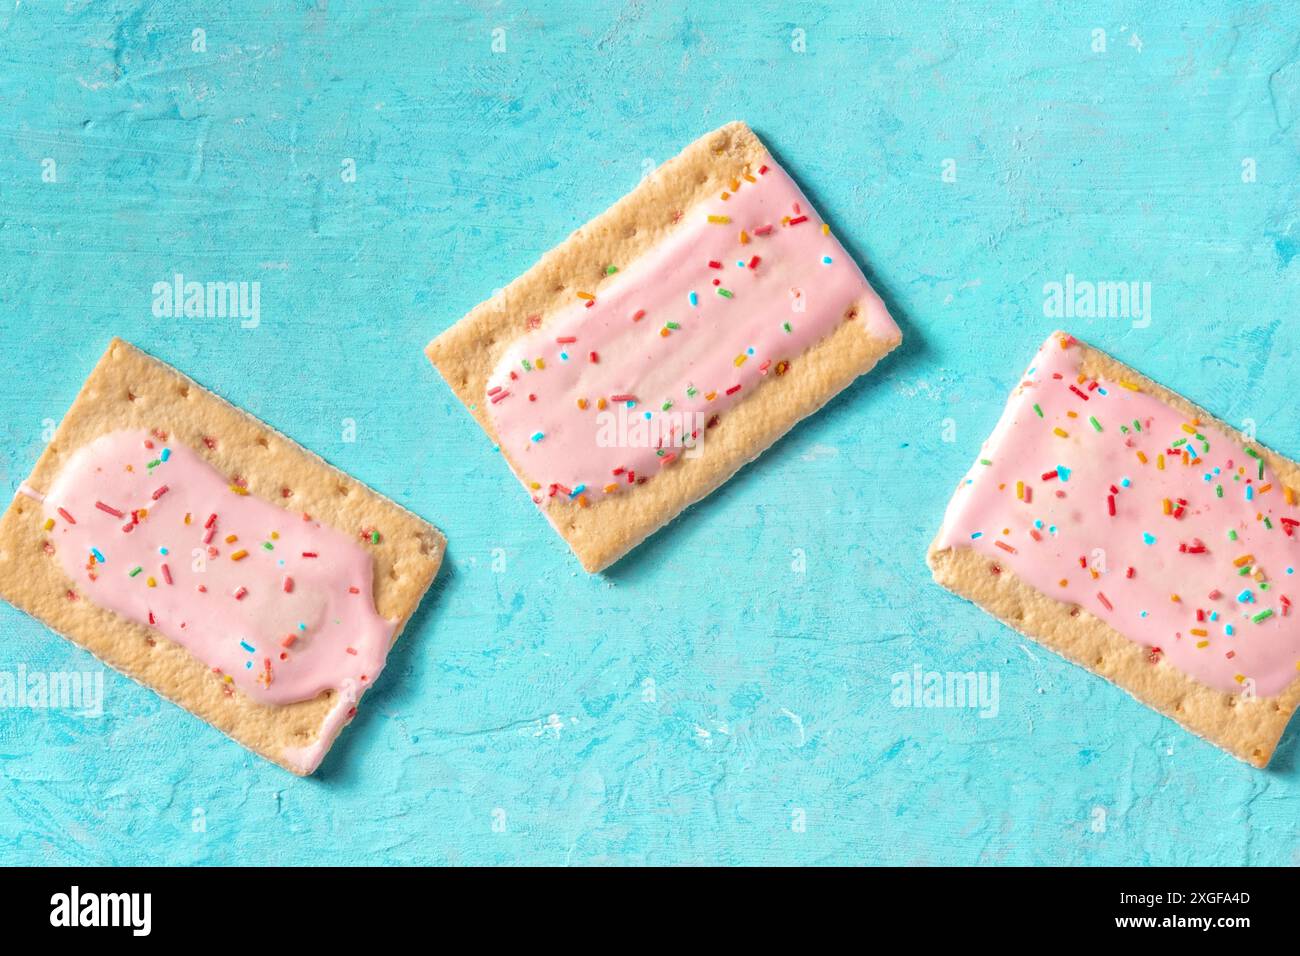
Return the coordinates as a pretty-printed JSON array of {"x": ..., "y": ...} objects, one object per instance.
[
  {"x": 587, "y": 295},
  {"x": 611, "y": 488},
  {"x": 1142, "y": 458},
  {"x": 239, "y": 555},
  {"x": 1175, "y": 598},
  {"x": 1244, "y": 560},
  {"x": 744, "y": 238},
  {"x": 1199, "y": 632},
  {"x": 582, "y": 403}
]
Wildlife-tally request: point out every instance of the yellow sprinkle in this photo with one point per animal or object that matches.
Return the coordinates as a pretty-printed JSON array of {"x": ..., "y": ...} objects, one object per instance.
[
  {"x": 1160, "y": 462},
  {"x": 534, "y": 485},
  {"x": 1130, "y": 386},
  {"x": 1199, "y": 632},
  {"x": 721, "y": 220},
  {"x": 1175, "y": 598},
  {"x": 1189, "y": 429},
  {"x": 1240, "y": 678},
  {"x": 1062, "y": 432},
  {"x": 1020, "y": 490},
  {"x": 540, "y": 363},
  {"x": 238, "y": 490},
  {"x": 151, "y": 582},
  {"x": 239, "y": 555},
  {"x": 187, "y": 517},
  {"x": 275, "y": 536},
  {"x": 740, "y": 360},
  {"x": 749, "y": 179},
  {"x": 49, "y": 523},
  {"x": 1288, "y": 494},
  {"x": 826, "y": 229},
  {"x": 1202, "y": 643}
]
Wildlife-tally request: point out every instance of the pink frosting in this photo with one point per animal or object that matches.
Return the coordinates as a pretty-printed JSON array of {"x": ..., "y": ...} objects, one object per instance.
[
  {"x": 292, "y": 617},
  {"x": 747, "y": 296},
  {"x": 1038, "y": 503}
]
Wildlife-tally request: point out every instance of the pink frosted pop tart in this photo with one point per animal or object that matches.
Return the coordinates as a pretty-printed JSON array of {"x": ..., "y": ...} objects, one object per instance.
[
  {"x": 644, "y": 360},
  {"x": 1123, "y": 527},
  {"x": 201, "y": 553}
]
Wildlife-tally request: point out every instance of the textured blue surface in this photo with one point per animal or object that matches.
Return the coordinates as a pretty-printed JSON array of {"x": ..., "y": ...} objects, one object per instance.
[{"x": 725, "y": 693}]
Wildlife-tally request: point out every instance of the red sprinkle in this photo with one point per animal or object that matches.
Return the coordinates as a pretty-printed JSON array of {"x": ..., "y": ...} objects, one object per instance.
[
  {"x": 288, "y": 585},
  {"x": 1104, "y": 603},
  {"x": 310, "y": 554},
  {"x": 167, "y": 574},
  {"x": 798, "y": 219},
  {"x": 241, "y": 594},
  {"x": 566, "y": 339},
  {"x": 354, "y": 590},
  {"x": 1110, "y": 504},
  {"x": 638, "y": 315},
  {"x": 212, "y": 519},
  {"x": 594, "y": 357},
  {"x": 733, "y": 390},
  {"x": 67, "y": 517},
  {"x": 109, "y": 510},
  {"x": 160, "y": 492}
]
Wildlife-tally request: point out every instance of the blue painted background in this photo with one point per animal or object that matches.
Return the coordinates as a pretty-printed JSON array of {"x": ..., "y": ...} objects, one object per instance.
[{"x": 713, "y": 690}]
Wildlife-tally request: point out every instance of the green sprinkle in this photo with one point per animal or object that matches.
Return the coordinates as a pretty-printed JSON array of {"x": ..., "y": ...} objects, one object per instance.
[
  {"x": 985, "y": 461},
  {"x": 691, "y": 391},
  {"x": 1038, "y": 410},
  {"x": 725, "y": 293},
  {"x": 1218, "y": 490},
  {"x": 374, "y": 537},
  {"x": 1175, "y": 444},
  {"x": 135, "y": 571},
  {"x": 268, "y": 545},
  {"x": 666, "y": 405},
  {"x": 1095, "y": 424},
  {"x": 1137, "y": 424},
  {"x": 155, "y": 463},
  {"x": 1263, "y": 615},
  {"x": 528, "y": 366},
  {"x": 1252, "y": 453},
  {"x": 1232, "y": 535},
  {"x": 1268, "y": 524},
  {"x": 786, "y": 326},
  {"x": 673, "y": 325},
  {"x": 610, "y": 270}
]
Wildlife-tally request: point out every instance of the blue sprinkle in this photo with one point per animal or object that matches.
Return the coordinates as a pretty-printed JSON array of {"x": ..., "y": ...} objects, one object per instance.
[
  {"x": 826, "y": 260},
  {"x": 1250, "y": 492},
  {"x": 1052, "y": 529},
  {"x": 647, "y": 416},
  {"x": 162, "y": 550},
  {"x": 740, "y": 264},
  {"x": 1245, "y": 597},
  {"x": 1227, "y": 629},
  {"x": 1290, "y": 570},
  {"x": 694, "y": 299},
  {"x": 1144, "y": 613},
  {"x": 538, "y": 437},
  {"x": 564, "y": 356},
  {"x": 1102, "y": 391},
  {"x": 976, "y": 534},
  {"x": 577, "y": 491},
  {"x": 166, "y": 453},
  {"x": 1148, "y": 538},
  {"x": 302, "y": 626},
  {"x": 1124, "y": 482},
  {"x": 1063, "y": 473},
  {"x": 98, "y": 557},
  {"x": 1039, "y": 524},
  {"x": 248, "y": 647}
]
